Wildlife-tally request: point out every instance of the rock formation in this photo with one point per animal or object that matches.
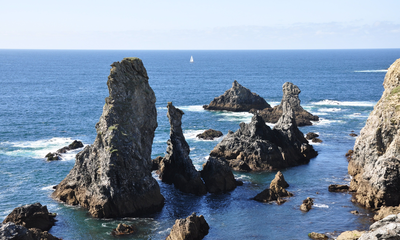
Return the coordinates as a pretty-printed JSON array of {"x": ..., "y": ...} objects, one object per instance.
[
  {"x": 192, "y": 228},
  {"x": 12, "y": 231},
  {"x": 32, "y": 216},
  {"x": 218, "y": 176},
  {"x": 176, "y": 167},
  {"x": 123, "y": 229},
  {"x": 375, "y": 162},
  {"x": 313, "y": 137},
  {"x": 290, "y": 95},
  {"x": 387, "y": 228},
  {"x": 52, "y": 156},
  {"x": 338, "y": 188},
  {"x": 350, "y": 235},
  {"x": 237, "y": 99},
  {"x": 276, "y": 190},
  {"x": 112, "y": 177},
  {"x": 307, "y": 204},
  {"x": 317, "y": 236},
  {"x": 386, "y": 211},
  {"x": 210, "y": 134},
  {"x": 255, "y": 147}
]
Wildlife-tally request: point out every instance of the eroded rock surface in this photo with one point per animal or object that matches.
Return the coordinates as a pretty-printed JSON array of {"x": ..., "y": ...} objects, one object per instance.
[
  {"x": 257, "y": 147},
  {"x": 276, "y": 190},
  {"x": 176, "y": 167},
  {"x": 290, "y": 95},
  {"x": 218, "y": 176},
  {"x": 192, "y": 228},
  {"x": 237, "y": 99},
  {"x": 209, "y": 134},
  {"x": 387, "y": 228},
  {"x": 12, "y": 231},
  {"x": 112, "y": 177},
  {"x": 307, "y": 204},
  {"x": 375, "y": 162}
]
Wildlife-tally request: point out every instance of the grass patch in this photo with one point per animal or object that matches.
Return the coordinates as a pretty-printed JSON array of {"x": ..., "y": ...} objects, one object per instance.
[{"x": 113, "y": 127}]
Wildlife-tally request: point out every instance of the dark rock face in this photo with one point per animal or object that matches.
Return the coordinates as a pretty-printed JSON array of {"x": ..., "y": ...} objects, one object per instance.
[
  {"x": 123, "y": 229},
  {"x": 210, "y": 134},
  {"x": 290, "y": 95},
  {"x": 255, "y": 147},
  {"x": 176, "y": 167},
  {"x": 276, "y": 190},
  {"x": 313, "y": 137},
  {"x": 32, "y": 216},
  {"x": 375, "y": 164},
  {"x": 338, "y": 188},
  {"x": 307, "y": 204},
  {"x": 53, "y": 156},
  {"x": 112, "y": 177},
  {"x": 218, "y": 176},
  {"x": 192, "y": 228},
  {"x": 74, "y": 145},
  {"x": 11, "y": 231},
  {"x": 237, "y": 99}
]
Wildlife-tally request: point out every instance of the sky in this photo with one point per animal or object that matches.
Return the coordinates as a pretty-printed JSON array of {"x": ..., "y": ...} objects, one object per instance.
[{"x": 199, "y": 25}]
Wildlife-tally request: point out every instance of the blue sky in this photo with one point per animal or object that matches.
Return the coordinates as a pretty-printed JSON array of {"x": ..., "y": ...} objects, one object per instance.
[{"x": 119, "y": 24}]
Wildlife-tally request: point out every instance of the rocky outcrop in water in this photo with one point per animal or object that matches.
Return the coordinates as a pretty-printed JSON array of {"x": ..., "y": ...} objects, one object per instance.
[
  {"x": 192, "y": 228},
  {"x": 237, "y": 99},
  {"x": 112, "y": 177},
  {"x": 387, "y": 228},
  {"x": 218, "y": 176},
  {"x": 123, "y": 229},
  {"x": 338, "y": 188},
  {"x": 257, "y": 147},
  {"x": 210, "y": 134},
  {"x": 52, "y": 156},
  {"x": 12, "y": 231},
  {"x": 375, "y": 163},
  {"x": 290, "y": 95},
  {"x": 307, "y": 204},
  {"x": 176, "y": 167},
  {"x": 276, "y": 190}
]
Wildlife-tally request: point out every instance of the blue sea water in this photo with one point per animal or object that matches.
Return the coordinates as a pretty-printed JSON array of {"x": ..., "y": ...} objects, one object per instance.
[{"x": 51, "y": 97}]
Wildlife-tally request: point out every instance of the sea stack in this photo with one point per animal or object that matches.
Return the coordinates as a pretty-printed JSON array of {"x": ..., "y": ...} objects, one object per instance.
[
  {"x": 290, "y": 95},
  {"x": 375, "y": 162},
  {"x": 237, "y": 99},
  {"x": 257, "y": 147},
  {"x": 176, "y": 167},
  {"x": 112, "y": 177}
]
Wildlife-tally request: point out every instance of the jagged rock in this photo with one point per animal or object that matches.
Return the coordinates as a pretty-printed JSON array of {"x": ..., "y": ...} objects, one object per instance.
[
  {"x": 318, "y": 236},
  {"x": 276, "y": 190},
  {"x": 311, "y": 135},
  {"x": 218, "y": 176},
  {"x": 350, "y": 235},
  {"x": 375, "y": 163},
  {"x": 255, "y": 147},
  {"x": 156, "y": 164},
  {"x": 349, "y": 154},
  {"x": 192, "y": 228},
  {"x": 176, "y": 167},
  {"x": 32, "y": 216},
  {"x": 290, "y": 95},
  {"x": 210, "y": 134},
  {"x": 237, "y": 99},
  {"x": 306, "y": 205},
  {"x": 338, "y": 188},
  {"x": 386, "y": 211},
  {"x": 74, "y": 145},
  {"x": 12, "y": 231},
  {"x": 316, "y": 140},
  {"x": 53, "y": 156},
  {"x": 123, "y": 229},
  {"x": 112, "y": 177},
  {"x": 387, "y": 228}
]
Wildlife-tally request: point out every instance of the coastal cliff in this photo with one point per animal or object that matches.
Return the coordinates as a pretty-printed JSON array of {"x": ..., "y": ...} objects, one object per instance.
[
  {"x": 375, "y": 163},
  {"x": 112, "y": 177}
]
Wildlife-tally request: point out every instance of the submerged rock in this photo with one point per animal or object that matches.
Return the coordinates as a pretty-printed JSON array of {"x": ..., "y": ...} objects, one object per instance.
[
  {"x": 192, "y": 228},
  {"x": 306, "y": 205},
  {"x": 237, "y": 99},
  {"x": 276, "y": 190},
  {"x": 218, "y": 176},
  {"x": 209, "y": 134},
  {"x": 290, "y": 95},
  {"x": 74, "y": 145},
  {"x": 255, "y": 147},
  {"x": 112, "y": 177},
  {"x": 338, "y": 188},
  {"x": 53, "y": 156},
  {"x": 375, "y": 164},
  {"x": 176, "y": 167},
  {"x": 387, "y": 228}
]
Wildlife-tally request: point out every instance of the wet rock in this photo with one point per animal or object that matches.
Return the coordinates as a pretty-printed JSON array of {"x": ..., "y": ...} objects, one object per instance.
[
  {"x": 311, "y": 135},
  {"x": 386, "y": 211},
  {"x": 276, "y": 190},
  {"x": 353, "y": 135},
  {"x": 74, "y": 145},
  {"x": 316, "y": 140},
  {"x": 355, "y": 212},
  {"x": 257, "y": 147},
  {"x": 338, "y": 188},
  {"x": 12, "y": 231},
  {"x": 375, "y": 164},
  {"x": 349, "y": 154},
  {"x": 318, "y": 236},
  {"x": 306, "y": 205},
  {"x": 218, "y": 176},
  {"x": 176, "y": 167},
  {"x": 53, "y": 156},
  {"x": 290, "y": 95},
  {"x": 350, "y": 235},
  {"x": 123, "y": 229},
  {"x": 112, "y": 177},
  {"x": 387, "y": 228},
  {"x": 32, "y": 216},
  {"x": 210, "y": 134},
  {"x": 237, "y": 99},
  {"x": 192, "y": 228}
]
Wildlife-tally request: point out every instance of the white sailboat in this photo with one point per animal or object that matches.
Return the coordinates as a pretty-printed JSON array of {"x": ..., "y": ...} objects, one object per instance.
[{"x": 191, "y": 59}]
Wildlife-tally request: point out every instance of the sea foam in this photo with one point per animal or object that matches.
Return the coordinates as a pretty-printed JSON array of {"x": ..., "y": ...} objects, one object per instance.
[
  {"x": 371, "y": 71},
  {"x": 328, "y": 102}
]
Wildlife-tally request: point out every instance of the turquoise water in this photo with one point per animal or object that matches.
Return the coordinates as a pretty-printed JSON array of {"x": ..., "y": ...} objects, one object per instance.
[{"x": 49, "y": 98}]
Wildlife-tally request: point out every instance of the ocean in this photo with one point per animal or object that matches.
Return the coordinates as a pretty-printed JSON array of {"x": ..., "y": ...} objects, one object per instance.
[{"x": 51, "y": 97}]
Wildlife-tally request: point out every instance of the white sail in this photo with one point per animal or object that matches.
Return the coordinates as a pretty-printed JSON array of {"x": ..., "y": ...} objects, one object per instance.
[{"x": 191, "y": 59}]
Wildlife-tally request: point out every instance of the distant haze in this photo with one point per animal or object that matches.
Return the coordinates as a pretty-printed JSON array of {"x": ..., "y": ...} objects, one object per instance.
[{"x": 263, "y": 24}]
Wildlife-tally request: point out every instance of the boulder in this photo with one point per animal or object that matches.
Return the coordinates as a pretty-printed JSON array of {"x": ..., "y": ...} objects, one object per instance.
[
  {"x": 176, "y": 167},
  {"x": 353, "y": 135},
  {"x": 350, "y": 235},
  {"x": 53, "y": 156},
  {"x": 192, "y": 228},
  {"x": 349, "y": 154},
  {"x": 276, "y": 190},
  {"x": 210, "y": 134},
  {"x": 387, "y": 228},
  {"x": 319, "y": 236},
  {"x": 12, "y": 231},
  {"x": 311, "y": 135},
  {"x": 257, "y": 147},
  {"x": 123, "y": 229},
  {"x": 290, "y": 95},
  {"x": 386, "y": 211},
  {"x": 306, "y": 205},
  {"x": 112, "y": 177},
  {"x": 375, "y": 164},
  {"x": 338, "y": 188},
  {"x": 32, "y": 216},
  {"x": 218, "y": 176},
  {"x": 237, "y": 99},
  {"x": 74, "y": 145}
]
